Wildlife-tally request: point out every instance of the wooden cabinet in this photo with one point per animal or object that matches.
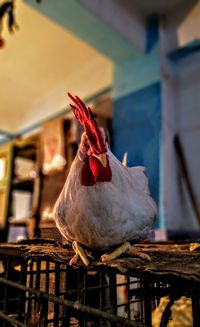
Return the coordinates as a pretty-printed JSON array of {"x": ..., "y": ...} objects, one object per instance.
[
  {"x": 53, "y": 181},
  {"x": 24, "y": 190},
  {"x": 32, "y": 192}
]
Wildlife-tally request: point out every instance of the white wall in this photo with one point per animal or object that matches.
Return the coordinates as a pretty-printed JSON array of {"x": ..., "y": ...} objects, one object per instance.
[{"x": 181, "y": 115}]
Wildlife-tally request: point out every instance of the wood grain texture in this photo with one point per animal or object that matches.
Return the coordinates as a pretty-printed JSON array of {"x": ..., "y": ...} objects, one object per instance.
[{"x": 167, "y": 260}]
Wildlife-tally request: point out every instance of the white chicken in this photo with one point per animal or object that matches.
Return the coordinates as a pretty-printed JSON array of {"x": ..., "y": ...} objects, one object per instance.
[{"x": 103, "y": 203}]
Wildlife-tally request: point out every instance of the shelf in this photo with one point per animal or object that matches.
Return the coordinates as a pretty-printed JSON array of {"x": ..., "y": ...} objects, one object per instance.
[
  {"x": 19, "y": 180},
  {"x": 25, "y": 184},
  {"x": 19, "y": 222}
]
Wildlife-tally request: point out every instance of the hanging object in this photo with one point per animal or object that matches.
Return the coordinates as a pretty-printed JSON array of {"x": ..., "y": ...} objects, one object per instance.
[{"x": 7, "y": 9}]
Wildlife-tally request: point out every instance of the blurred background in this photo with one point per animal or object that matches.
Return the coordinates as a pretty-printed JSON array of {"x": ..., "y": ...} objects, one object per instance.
[{"x": 137, "y": 63}]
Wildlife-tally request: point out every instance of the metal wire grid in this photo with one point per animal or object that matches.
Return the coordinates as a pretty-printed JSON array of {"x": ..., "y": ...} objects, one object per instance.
[
  {"x": 40, "y": 292},
  {"x": 45, "y": 293}
]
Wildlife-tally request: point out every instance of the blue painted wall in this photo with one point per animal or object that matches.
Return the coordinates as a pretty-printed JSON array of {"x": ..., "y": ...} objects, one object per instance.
[
  {"x": 134, "y": 75},
  {"x": 137, "y": 128}
]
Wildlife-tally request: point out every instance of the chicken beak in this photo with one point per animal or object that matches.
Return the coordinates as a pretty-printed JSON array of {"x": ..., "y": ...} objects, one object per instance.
[{"x": 102, "y": 157}]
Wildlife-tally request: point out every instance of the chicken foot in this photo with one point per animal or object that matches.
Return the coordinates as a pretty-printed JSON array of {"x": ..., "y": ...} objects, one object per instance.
[
  {"x": 125, "y": 248},
  {"x": 116, "y": 253},
  {"x": 79, "y": 253}
]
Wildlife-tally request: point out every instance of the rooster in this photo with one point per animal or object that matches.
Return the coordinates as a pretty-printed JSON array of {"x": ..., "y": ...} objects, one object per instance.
[{"x": 103, "y": 203}]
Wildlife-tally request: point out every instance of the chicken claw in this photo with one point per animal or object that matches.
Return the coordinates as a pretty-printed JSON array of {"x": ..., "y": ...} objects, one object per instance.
[
  {"x": 79, "y": 253},
  {"x": 116, "y": 253},
  {"x": 135, "y": 253},
  {"x": 74, "y": 260}
]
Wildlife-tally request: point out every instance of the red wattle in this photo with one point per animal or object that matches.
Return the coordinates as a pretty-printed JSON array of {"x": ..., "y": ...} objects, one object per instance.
[
  {"x": 93, "y": 171},
  {"x": 100, "y": 173}
]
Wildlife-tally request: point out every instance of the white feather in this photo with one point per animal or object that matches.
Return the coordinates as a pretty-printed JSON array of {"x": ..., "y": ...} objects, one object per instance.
[{"x": 107, "y": 213}]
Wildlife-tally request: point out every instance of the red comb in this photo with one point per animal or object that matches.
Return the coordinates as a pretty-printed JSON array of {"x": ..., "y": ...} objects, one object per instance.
[{"x": 86, "y": 118}]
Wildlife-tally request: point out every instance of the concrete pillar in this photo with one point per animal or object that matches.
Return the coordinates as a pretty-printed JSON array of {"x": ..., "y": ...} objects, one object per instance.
[{"x": 137, "y": 117}]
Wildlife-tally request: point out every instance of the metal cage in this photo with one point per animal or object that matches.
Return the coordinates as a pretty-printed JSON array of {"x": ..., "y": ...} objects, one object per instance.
[{"x": 40, "y": 291}]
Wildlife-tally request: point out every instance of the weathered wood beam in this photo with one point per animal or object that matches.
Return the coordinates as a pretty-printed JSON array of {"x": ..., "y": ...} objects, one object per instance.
[
  {"x": 123, "y": 17},
  {"x": 167, "y": 260},
  {"x": 76, "y": 18}
]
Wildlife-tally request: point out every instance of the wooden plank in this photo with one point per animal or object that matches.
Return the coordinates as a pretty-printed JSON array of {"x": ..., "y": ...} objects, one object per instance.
[{"x": 164, "y": 260}]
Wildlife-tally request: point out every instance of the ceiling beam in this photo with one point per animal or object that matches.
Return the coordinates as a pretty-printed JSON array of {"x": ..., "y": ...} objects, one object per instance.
[
  {"x": 123, "y": 17},
  {"x": 108, "y": 40}
]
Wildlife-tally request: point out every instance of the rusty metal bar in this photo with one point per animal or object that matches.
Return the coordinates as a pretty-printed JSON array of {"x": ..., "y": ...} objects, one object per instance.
[
  {"x": 30, "y": 283},
  {"x": 12, "y": 320},
  {"x": 57, "y": 290},
  {"x": 66, "y": 321},
  {"x": 167, "y": 313},
  {"x": 21, "y": 302},
  {"x": 77, "y": 306},
  {"x": 47, "y": 281},
  {"x": 147, "y": 303},
  {"x": 7, "y": 267},
  {"x": 81, "y": 294}
]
